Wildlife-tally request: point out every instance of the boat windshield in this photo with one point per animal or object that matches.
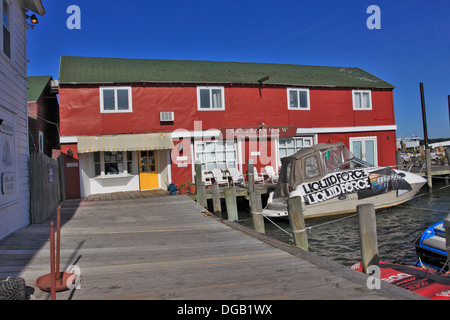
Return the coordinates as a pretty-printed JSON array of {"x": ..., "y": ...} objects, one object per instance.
[{"x": 340, "y": 158}]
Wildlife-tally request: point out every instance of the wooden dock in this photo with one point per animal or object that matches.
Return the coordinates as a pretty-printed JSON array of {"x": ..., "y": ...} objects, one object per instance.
[
  {"x": 165, "y": 247},
  {"x": 436, "y": 170}
]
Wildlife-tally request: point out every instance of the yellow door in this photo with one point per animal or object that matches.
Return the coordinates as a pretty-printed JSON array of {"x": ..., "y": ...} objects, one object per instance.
[{"x": 148, "y": 170}]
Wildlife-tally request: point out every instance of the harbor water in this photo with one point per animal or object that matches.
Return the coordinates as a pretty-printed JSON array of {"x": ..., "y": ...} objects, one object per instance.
[{"x": 337, "y": 238}]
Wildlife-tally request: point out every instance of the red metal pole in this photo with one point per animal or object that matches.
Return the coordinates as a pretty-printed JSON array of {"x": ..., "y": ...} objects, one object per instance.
[
  {"x": 58, "y": 240},
  {"x": 52, "y": 263}
]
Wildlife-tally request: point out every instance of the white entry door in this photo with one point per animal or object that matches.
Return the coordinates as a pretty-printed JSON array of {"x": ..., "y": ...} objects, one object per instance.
[{"x": 365, "y": 148}]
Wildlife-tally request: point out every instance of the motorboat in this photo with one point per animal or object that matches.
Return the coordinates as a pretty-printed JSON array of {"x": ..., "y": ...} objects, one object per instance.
[
  {"x": 331, "y": 180},
  {"x": 431, "y": 247},
  {"x": 431, "y": 284}
]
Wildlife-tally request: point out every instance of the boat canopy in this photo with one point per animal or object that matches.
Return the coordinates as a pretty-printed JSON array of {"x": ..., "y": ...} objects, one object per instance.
[{"x": 313, "y": 163}]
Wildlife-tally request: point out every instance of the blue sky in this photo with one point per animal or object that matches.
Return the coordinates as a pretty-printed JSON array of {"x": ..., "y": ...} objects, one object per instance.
[{"x": 412, "y": 46}]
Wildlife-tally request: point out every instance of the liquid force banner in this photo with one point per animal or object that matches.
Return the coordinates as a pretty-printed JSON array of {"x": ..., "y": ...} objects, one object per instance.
[{"x": 334, "y": 185}]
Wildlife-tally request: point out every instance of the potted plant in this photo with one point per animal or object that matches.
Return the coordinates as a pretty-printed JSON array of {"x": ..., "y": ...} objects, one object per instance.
[
  {"x": 192, "y": 187},
  {"x": 182, "y": 188}
]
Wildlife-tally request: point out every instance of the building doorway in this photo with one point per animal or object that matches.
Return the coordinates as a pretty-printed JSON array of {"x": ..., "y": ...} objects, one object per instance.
[
  {"x": 148, "y": 170},
  {"x": 365, "y": 148}
]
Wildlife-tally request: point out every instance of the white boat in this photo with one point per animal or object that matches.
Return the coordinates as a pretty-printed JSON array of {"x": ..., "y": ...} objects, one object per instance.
[{"x": 331, "y": 180}]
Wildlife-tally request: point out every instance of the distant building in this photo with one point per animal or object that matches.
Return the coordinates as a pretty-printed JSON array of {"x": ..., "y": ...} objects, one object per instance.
[
  {"x": 43, "y": 116},
  {"x": 136, "y": 124},
  {"x": 408, "y": 143},
  {"x": 14, "y": 196}
]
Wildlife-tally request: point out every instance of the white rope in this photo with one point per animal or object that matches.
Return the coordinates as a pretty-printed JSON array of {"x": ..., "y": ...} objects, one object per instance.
[{"x": 277, "y": 226}]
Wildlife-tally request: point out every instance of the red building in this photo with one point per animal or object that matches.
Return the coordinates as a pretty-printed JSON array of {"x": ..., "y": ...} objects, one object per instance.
[
  {"x": 43, "y": 116},
  {"x": 130, "y": 124}
]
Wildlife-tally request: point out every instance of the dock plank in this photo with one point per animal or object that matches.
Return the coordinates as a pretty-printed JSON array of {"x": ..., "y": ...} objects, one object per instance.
[{"x": 166, "y": 247}]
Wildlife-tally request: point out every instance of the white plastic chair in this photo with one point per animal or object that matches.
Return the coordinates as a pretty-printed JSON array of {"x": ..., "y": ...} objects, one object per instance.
[
  {"x": 236, "y": 176},
  {"x": 273, "y": 176},
  {"x": 257, "y": 177},
  {"x": 206, "y": 179},
  {"x": 217, "y": 173}
]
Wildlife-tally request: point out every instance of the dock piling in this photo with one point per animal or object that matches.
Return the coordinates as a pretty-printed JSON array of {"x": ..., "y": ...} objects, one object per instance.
[
  {"x": 256, "y": 210},
  {"x": 230, "y": 200},
  {"x": 428, "y": 164},
  {"x": 201, "y": 194},
  {"x": 250, "y": 175},
  {"x": 217, "y": 207},
  {"x": 368, "y": 235},
  {"x": 297, "y": 221},
  {"x": 200, "y": 185}
]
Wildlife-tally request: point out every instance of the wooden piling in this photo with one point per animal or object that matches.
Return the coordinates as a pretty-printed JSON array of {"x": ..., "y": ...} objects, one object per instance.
[
  {"x": 368, "y": 235},
  {"x": 447, "y": 236},
  {"x": 201, "y": 194},
  {"x": 398, "y": 156},
  {"x": 297, "y": 221},
  {"x": 447, "y": 153},
  {"x": 230, "y": 200},
  {"x": 217, "y": 207},
  {"x": 200, "y": 185},
  {"x": 250, "y": 175},
  {"x": 256, "y": 210},
  {"x": 428, "y": 163}
]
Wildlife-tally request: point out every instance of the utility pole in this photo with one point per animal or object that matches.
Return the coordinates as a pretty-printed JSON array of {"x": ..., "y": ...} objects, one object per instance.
[
  {"x": 448, "y": 108},
  {"x": 424, "y": 116},
  {"x": 425, "y": 133}
]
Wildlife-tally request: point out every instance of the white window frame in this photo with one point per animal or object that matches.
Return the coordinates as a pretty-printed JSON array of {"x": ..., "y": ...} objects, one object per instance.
[
  {"x": 9, "y": 27},
  {"x": 228, "y": 146},
  {"x": 363, "y": 147},
  {"x": 124, "y": 166},
  {"x": 296, "y": 146},
  {"x": 298, "y": 90},
  {"x": 354, "y": 100},
  {"x": 116, "y": 110},
  {"x": 222, "y": 94}
]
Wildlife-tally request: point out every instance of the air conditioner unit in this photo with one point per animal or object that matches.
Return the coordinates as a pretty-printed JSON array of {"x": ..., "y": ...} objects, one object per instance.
[{"x": 166, "y": 116}]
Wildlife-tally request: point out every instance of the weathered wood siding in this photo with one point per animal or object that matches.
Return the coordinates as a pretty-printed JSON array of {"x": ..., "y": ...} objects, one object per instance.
[
  {"x": 14, "y": 206},
  {"x": 45, "y": 190}
]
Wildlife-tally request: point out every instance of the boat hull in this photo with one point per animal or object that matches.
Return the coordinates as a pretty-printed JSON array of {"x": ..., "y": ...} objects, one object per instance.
[
  {"x": 348, "y": 202},
  {"x": 431, "y": 247}
]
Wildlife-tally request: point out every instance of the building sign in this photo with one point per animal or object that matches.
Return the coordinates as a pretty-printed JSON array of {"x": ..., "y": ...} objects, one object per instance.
[
  {"x": 229, "y": 133},
  {"x": 7, "y": 128},
  {"x": 7, "y": 162},
  {"x": 8, "y": 183},
  {"x": 334, "y": 185}
]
